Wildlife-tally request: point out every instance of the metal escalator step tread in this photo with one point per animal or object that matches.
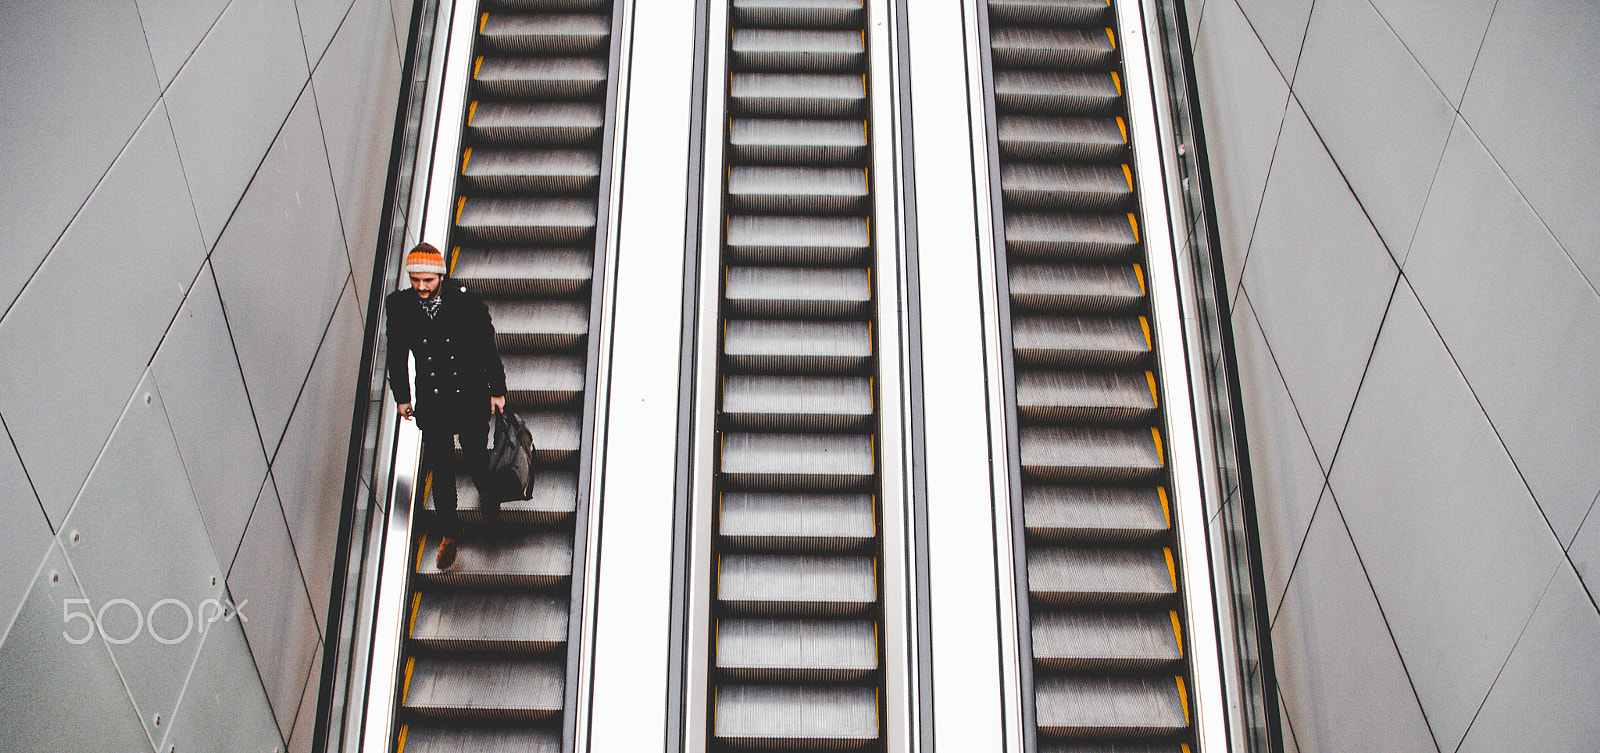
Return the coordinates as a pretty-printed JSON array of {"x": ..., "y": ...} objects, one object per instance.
[
  {"x": 556, "y": 437},
  {"x": 486, "y": 689},
  {"x": 1044, "y": 12},
  {"x": 537, "y": 381},
  {"x": 531, "y": 170},
  {"x": 537, "y": 559},
  {"x": 545, "y": 123},
  {"x": 1104, "y": 641},
  {"x": 526, "y": 220},
  {"x": 796, "y": 584},
  {"x": 1032, "y": 137},
  {"x": 1094, "y": 513},
  {"x": 797, "y": 403},
  {"x": 479, "y": 622},
  {"x": 545, "y": 34},
  {"x": 799, "y": 13},
  {"x": 798, "y": 50},
  {"x": 1093, "y": 455},
  {"x": 1084, "y": 397},
  {"x": 1062, "y": 746},
  {"x": 1084, "y": 576},
  {"x": 1072, "y": 288},
  {"x": 803, "y": 190},
  {"x": 428, "y": 739},
  {"x": 781, "y": 292},
  {"x": 797, "y": 240},
  {"x": 1080, "y": 237},
  {"x": 797, "y": 522},
  {"x": 549, "y": 6},
  {"x": 1031, "y": 47},
  {"x": 525, "y": 271},
  {"x": 1056, "y": 92},
  {"x": 776, "y": 141},
  {"x": 555, "y": 498},
  {"x": 522, "y": 325},
  {"x": 825, "y": 462},
  {"x": 1065, "y": 187},
  {"x": 814, "y": 95},
  {"x": 782, "y": 717},
  {"x": 796, "y": 650},
  {"x": 797, "y": 346},
  {"x": 1108, "y": 706},
  {"x": 1077, "y": 341},
  {"x": 542, "y": 78}
]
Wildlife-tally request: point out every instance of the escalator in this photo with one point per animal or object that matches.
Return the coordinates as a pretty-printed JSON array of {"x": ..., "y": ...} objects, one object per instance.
[
  {"x": 486, "y": 640},
  {"x": 1101, "y": 604},
  {"x": 795, "y": 641}
]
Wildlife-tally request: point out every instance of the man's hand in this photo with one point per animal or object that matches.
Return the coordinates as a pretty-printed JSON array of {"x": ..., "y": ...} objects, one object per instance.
[
  {"x": 497, "y": 404},
  {"x": 404, "y": 409}
]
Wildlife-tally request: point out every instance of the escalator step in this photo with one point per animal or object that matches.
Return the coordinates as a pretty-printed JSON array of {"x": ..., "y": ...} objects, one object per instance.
[
  {"x": 484, "y": 689},
  {"x": 1076, "y": 289},
  {"x": 797, "y": 240},
  {"x": 1079, "y": 576},
  {"x": 540, "y": 78},
  {"x": 544, "y": 123},
  {"x": 1060, "y": 746},
  {"x": 1070, "y": 237},
  {"x": 798, "y": 346},
  {"x": 1065, "y": 187},
  {"x": 425, "y": 739},
  {"x": 791, "y": 50},
  {"x": 1042, "y": 12},
  {"x": 1095, "y": 513},
  {"x": 555, "y": 497},
  {"x": 502, "y": 623},
  {"x": 544, "y": 34},
  {"x": 797, "y": 522},
  {"x": 546, "y": 171},
  {"x": 533, "y": 272},
  {"x": 1094, "y": 455},
  {"x": 782, "y": 292},
  {"x": 523, "y": 325},
  {"x": 547, "y": 6},
  {"x": 526, "y": 220},
  {"x": 778, "y": 717},
  {"x": 800, "y": 142},
  {"x": 1074, "y": 341},
  {"x": 1056, "y": 92},
  {"x": 799, "y": 13},
  {"x": 1105, "y": 641},
  {"x": 1109, "y": 706},
  {"x": 785, "y": 403},
  {"x": 1069, "y": 49},
  {"x": 822, "y": 462},
  {"x": 804, "y": 190},
  {"x": 534, "y": 381},
  {"x": 796, "y": 650},
  {"x": 796, "y": 585},
  {"x": 1085, "y": 397},
  {"x": 503, "y": 560},
  {"x": 814, "y": 95},
  {"x": 1046, "y": 138}
]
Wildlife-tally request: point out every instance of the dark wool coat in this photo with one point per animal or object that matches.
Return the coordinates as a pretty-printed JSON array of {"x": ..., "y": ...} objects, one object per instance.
[{"x": 458, "y": 368}]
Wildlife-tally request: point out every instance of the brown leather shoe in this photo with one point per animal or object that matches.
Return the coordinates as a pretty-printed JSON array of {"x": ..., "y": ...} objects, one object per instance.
[{"x": 447, "y": 553}]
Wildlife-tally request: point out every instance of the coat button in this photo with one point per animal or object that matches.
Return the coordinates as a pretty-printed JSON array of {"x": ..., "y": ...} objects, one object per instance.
[
  {"x": 424, "y": 341},
  {"x": 430, "y": 373},
  {"x": 436, "y": 391},
  {"x": 447, "y": 339}
]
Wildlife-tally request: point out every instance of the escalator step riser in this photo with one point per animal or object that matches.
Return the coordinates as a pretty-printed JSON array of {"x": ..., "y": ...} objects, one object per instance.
[
  {"x": 1056, "y": 49},
  {"x": 544, "y": 34},
  {"x": 817, "y": 95},
  {"x": 796, "y": 650},
  {"x": 427, "y": 739},
  {"x": 1056, "y": 92},
  {"x": 501, "y": 623},
  {"x": 771, "y": 141},
  {"x": 484, "y": 689},
  {"x": 525, "y": 272},
  {"x": 816, "y": 523},
  {"x": 547, "y": 124},
  {"x": 555, "y": 497},
  {"x": 1109, "y": 706},
  {"x": 540, "y": 78},
  {"x": 804, "y": 718},
  {"x": 530, "y": 221},
  {"x": 1075, "y": 289},
  {"x": 1090, "y": 514},
  {"x": 1049, "y": 12},
  {"x": 1079, "y": 576},
  {"x": 797, "y": 14},
  {"x": 830, "y": 241},
  {"x": 1070, "y": 237},
  {"x": 794, "y": 50},
  {"x": 1105, "y": 641}
]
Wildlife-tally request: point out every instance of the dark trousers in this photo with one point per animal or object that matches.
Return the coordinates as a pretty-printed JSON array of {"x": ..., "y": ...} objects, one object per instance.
[{"x": 439, "y": 456}]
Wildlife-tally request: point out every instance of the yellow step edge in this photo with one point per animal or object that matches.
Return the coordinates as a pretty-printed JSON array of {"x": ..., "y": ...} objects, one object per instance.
[
  {"x": 1161, "y": 457},
  {"x": 1133, "y": 222},
  {"x": 1166, "y": 508},
  {"x": 455, "y": 252},
  {"x": 1145, "y": 323},
  {"x": 1172, "y": 569},
  {"x": 1138, "y": 271},
  {"x": 411, "y": 664},
  {"x": 472, "y": 110},
  {"x": 416, "y": 603},
  {"x": 484, "y": 21},
  {"x": 1128, "y": 173},
  {"x": 401, "y": 746},
  {"x": 1117, "y": 80},
  {"x": 1177, "y": 630},
  {"x": 466, "y": 156},
  {"x": 1111, "y": 35},
  {"x": 1150, "y": 376},
  {"x": 478, "y": 66},
  {"x": 461, "y": 204},
  {"x": 1183, "y": 698},
  {"x": 1121, "y": 125}
]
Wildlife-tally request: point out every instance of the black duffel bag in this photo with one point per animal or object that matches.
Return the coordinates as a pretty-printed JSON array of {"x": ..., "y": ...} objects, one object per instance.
[{"x": 511, "y": 466}]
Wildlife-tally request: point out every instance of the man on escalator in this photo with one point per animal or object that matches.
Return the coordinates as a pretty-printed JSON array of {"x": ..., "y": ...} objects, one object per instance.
[{"x": 460, "y": 379}]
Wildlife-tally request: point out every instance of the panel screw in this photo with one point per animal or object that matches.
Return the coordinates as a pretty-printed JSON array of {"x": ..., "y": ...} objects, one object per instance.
[
  {"x": 158, "y": 720},
  {"x": 147, "y": 398},
  {"x": 55, "y": 577},
  {"x": 76, "y": 537}
]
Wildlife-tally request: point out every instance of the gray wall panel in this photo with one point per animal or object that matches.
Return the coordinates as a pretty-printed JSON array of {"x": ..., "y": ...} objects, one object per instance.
[
  {"x": 1382, "y": 119},
  {"x": 224, "y": 707},
  {"x": 1288, "y": 480},
  {"x": 1249, "y": 87},
  {"x": 29, "y": 528},
  {"x": 89, "y": 85},
  {"x": 82, "y": 332},
  {"x": 1585, "y": 553},
  {"x": 1501, "y": 312},
  {"x": 174, "y": 29},
  {"x": 210, "y": 415},
  {"x": 281, "y": 629},
  {"x": 1533, "y": 100},
  {"x": 1443, "y": 35},
  {"x": 309, "y": 478},
  {"x": 1342, "y": 680},
  {"x": 1319, "y": 280},
  {"x": 1281, "y": 24},
  {"x": 305, "y": 720},
  {"x": 1443, "y": 522},
  {"x": 319, "y": 19},
  {"x": 224, "y": 127},
  {"x": 354, "y": 86},
  {"x": 1547, "y": 696},
  {"x": 282, "y": 260}
]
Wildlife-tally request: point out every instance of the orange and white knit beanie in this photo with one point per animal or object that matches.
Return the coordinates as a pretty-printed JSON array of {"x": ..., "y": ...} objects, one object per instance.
[{"x": 425, "y": 258}]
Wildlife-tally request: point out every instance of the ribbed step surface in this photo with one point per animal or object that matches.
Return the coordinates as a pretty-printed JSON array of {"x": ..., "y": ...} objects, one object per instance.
[
  {"x": 498, "y": 689},
  {"x": 790, "y": 650},
  {"x": 797, "y": 522}
]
